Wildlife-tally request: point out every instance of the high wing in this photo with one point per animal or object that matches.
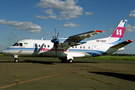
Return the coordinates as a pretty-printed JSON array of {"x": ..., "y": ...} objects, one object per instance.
[{"x": 75, "y": 39}]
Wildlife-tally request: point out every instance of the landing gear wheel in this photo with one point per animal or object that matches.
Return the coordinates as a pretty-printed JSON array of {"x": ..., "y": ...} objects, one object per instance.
[
  {"x": 70, "y": 61},
  {"x": 16, "y": 60}
]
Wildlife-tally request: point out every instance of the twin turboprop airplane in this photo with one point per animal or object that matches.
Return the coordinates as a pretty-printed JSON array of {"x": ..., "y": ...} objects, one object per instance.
[{"x": 68, "y": 48}]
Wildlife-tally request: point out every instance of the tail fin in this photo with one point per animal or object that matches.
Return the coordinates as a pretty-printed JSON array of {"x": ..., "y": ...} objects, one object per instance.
[
  {"x": 117, "y": 35},
  {"x": 120, "y": 30}
]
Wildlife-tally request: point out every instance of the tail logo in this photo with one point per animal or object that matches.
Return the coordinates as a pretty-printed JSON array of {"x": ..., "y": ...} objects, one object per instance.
[{"x": 119, "y": 32}]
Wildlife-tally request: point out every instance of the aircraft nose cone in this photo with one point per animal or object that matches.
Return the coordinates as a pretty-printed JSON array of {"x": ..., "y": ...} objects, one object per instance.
[{"x": 4, "y": 51}]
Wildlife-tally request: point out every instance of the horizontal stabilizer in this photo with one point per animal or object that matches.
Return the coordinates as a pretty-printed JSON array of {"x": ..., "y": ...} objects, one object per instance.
[
  {"x": 122, "y": 44},
  {"x": 118, "y": 47}
]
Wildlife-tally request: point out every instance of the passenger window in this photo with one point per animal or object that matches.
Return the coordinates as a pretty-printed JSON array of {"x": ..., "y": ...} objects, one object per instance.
[
  {"x": 48, "y": 46},
  {"x": 83, "y": 47},
  {"x": 80, "y": 46}
]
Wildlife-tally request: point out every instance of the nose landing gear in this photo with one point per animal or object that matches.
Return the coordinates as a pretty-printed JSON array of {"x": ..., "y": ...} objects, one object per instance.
[{"x": 16, "y": 58}]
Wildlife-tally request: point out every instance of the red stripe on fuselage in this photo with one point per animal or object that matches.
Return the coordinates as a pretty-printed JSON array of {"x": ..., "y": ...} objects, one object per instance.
[{"x": 44, "y": 49}]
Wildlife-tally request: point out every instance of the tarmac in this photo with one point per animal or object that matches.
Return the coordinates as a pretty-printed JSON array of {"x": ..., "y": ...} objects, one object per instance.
[{"x": 49, "y": 74}]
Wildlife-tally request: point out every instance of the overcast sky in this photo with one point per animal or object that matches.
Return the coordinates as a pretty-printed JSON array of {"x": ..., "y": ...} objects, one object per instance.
[{"x": 36, "y": 19}]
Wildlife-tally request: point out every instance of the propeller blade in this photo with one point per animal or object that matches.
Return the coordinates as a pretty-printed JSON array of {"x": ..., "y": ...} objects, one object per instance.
[
  {"x": 55, "y": 40},
  {"x": 36, "y": 51},
  {"x": 57, "y": 34},
  {"x": 55, "y": 46},
  {"x": 40, "y": 48}
]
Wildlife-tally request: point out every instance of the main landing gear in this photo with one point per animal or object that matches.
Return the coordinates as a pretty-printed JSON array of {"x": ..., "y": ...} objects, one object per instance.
[{"x": 16, "y": 58}]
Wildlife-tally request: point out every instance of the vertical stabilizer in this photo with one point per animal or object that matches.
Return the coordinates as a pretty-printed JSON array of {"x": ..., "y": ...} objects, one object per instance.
[
  {"x": 117, "y": 35},
  {"x": 120, "y": 30}
]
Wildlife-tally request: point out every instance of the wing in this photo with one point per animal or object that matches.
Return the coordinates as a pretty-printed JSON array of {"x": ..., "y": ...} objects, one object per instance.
[{"x": 75, "y": 40}]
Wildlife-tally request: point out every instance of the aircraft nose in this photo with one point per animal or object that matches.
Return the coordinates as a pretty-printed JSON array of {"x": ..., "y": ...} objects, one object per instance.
[{"x": 4, "y": 51}]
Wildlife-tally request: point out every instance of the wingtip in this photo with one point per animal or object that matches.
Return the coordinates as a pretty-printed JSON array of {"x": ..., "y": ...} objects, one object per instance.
[
  {"x": 130, "y": 40},
  {"x": 99, "y": 31}
]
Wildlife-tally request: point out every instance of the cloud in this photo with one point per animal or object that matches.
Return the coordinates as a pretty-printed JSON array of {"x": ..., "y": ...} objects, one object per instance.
[
  {"x": 51, "y": 16},
  {"x": 67, "y": 9},
  {"x": 132, "y": 14},
  {"x": 49, "y": 11},
  {"x": 28, "y": 26},
  {"x": 130, "y": 28},
  {"x": 88, "y": 13},
  {"x": 69, "y": 24},
  {"x": 41, "y": 17}
]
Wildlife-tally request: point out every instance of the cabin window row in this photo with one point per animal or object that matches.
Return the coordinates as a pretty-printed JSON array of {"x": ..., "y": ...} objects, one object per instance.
[
  {"x": 44, "y": 46},
  {"x": 81, "y": 47}
]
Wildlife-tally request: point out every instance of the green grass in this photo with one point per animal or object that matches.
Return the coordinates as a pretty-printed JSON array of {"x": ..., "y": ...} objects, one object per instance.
[
  {"x": 1, "y": 55},
  {"x": 115, "y": 57}
]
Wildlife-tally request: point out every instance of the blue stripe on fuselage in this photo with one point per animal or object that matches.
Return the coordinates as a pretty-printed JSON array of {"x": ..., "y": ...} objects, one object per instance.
[
  {"x": 24, "y": 49},
  {"x": 90, "y": 52}
]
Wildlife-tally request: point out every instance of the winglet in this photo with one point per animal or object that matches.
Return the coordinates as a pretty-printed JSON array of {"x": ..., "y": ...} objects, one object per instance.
[{"x": 99, "y": 31}]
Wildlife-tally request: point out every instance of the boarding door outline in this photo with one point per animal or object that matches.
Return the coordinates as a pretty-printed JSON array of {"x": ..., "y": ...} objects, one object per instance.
[
  {"x": 94, "y": 50},
  {"x": 94, "y": 47}
]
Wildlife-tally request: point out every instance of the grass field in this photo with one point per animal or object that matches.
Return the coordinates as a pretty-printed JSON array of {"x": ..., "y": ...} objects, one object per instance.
[{"x": 115, "y": 57}]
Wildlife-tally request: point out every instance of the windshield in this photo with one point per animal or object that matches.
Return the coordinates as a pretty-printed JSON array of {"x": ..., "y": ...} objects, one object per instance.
[{"x": 18, "y": 44}]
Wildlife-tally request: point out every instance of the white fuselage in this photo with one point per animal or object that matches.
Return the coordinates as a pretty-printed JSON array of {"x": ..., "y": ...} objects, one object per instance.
[{"x": 46, "y": 48}]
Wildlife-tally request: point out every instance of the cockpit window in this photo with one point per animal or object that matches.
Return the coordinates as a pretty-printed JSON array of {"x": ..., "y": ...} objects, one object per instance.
[{"x": 18, "y": 44}]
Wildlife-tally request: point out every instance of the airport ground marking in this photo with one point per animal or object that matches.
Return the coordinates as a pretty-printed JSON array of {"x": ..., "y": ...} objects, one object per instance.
[{"x": 33, "y": 79}]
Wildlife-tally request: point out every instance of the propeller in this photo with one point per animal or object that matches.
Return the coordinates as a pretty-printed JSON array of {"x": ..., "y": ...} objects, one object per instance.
[
  {"x": 36, "y": 50},
  {"x": 55, "y": 40}
]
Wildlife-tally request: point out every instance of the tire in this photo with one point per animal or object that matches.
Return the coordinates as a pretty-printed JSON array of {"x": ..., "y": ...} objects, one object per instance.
[{"x": 16, "y": 60}]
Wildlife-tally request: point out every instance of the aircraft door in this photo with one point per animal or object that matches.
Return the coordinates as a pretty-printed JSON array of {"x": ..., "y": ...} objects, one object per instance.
[
  {"x": 94, "y": 47},
  {"x": 94, "y": 50}
]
